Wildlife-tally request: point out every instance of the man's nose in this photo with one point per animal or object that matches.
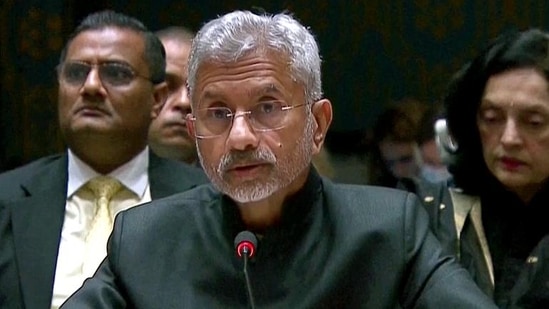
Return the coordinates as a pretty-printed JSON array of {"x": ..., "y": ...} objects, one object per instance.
[
  {"x": 93, "y": 83},
  {"x": 241, "y": 134},
  {"x": 180, "y": 100}
]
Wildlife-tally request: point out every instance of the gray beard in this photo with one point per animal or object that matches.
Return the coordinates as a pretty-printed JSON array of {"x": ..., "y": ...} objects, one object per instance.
[{"x": 285, "y": 172}]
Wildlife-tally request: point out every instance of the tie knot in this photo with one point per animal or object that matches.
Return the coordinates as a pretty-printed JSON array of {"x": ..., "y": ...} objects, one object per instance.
[{"x": 104, "y": 186}]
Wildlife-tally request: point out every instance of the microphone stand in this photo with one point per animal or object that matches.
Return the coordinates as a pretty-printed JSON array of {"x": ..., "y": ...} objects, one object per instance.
[
  {"x": 247, "y": 277},
  {"x": 245, "y": 244}
]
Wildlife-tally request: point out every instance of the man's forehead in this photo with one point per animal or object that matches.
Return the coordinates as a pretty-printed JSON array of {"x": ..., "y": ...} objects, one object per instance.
[
  {"x": 176, "y": 51},
  {"x": 109, "y": 44},
  {"x": 107, "y": 37},
  {"x": 175, "y": 42}
]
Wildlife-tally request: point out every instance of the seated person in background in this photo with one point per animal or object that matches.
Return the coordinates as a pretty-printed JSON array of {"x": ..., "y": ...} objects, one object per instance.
[
  {"x": 168, "y": 136},
  {"x": 55, "y": 217},
  {"x": 259, "y": 117},
  {"x": 395, "y": 159},
  {"x": 497, "y": 110},
  {"x": 395, "y": 153}
]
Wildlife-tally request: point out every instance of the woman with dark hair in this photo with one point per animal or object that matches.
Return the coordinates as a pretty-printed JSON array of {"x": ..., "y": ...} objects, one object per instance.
[{"x": 497, "y": 109}]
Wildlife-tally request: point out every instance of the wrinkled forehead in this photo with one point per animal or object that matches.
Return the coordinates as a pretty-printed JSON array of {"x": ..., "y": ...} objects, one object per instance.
[
  {"x": 269, "y": 69},
  {"x": 230, "y": 58}
]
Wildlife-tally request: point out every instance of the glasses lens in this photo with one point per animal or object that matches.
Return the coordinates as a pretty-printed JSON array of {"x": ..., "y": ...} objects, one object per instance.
[
  {"x": 116, "y": 74},
  {"x": 264, "y": 116},
  {"x": 268, "y": 115},
  {"x": 75, "y": 73},
  {"x": 212, "y": 121}
]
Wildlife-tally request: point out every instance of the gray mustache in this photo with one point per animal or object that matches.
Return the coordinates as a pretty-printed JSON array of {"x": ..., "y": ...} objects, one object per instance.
[{"x": 246, "y": 157}]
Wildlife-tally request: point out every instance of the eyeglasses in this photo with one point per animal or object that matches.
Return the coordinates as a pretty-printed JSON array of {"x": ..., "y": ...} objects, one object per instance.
[
  {"x": 264, "y": 116},
  {"x": 111, "y": 73}
]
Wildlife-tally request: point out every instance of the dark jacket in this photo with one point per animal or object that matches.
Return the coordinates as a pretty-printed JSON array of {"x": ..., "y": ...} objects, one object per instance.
[
  {"x": 461, "y": 228},
  {"x": 532, "y": 288},
  {"x": 32, "y": 210},
  {"x": 336, "y": 246}
]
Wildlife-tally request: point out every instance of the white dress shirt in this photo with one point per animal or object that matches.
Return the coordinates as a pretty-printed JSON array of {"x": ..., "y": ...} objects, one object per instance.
[{"x": 79, "y": 212}]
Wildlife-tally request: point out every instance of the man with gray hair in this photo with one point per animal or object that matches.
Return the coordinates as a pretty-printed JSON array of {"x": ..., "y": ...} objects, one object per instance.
[{"x": 259, "y": 117}]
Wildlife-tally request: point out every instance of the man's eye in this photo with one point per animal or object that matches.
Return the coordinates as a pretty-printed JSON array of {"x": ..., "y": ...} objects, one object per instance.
[
  {"x": 77, "y": 71},
  {"x": 267, "y": 107},
  {"x": 174, "y": 84},
  {"x": 117, "y": 72},
  {"x": 219, "y": 113}
]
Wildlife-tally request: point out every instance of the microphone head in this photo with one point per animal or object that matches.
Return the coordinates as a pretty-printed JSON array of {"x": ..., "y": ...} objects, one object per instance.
[{"x": 245, "y": 243}]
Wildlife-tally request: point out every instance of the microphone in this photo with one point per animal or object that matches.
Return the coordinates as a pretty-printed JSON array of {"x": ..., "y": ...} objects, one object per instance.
[{"x": 245, "y": 243}]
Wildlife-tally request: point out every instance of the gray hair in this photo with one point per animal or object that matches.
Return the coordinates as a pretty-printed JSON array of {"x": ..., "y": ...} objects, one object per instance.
[{"x": 235, "y": 35}]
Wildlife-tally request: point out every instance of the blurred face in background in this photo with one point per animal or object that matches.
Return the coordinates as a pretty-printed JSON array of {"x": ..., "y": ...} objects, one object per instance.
[
  {"x": 401, "y": 158},
  {"x": 513, "y": 122},
  {"x": 168, "y": 134}
]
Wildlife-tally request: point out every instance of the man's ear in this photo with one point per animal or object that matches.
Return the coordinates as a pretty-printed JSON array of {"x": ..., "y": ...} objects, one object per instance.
[
  {"x": 160, "y": 95},
  {"x": 322, "y": 112}
]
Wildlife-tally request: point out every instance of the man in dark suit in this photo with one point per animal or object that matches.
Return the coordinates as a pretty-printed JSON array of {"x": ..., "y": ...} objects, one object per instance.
[
  {"x": 259, "y": 117},
  {"x": 111, "y": 84},
  {"x": 168, "y": 135}
]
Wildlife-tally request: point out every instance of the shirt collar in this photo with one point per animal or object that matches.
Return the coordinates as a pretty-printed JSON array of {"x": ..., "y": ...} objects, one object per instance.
[{"x": 133, "y": 174}]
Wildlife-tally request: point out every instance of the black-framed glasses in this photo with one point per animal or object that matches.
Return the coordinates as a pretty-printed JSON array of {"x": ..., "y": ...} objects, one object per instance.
[
  {"x": 264, "y": 116},
  {"x": 111, "y": 73}
]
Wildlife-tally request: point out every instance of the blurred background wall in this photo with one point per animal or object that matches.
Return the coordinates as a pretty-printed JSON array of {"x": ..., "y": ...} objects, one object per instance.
[{"x": 374, "y": 52}]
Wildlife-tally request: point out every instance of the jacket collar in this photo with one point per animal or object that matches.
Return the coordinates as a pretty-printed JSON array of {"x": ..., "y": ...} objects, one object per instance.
[
  {"x": 37, "y": 220},
  {"x": 469, "y": 206}
]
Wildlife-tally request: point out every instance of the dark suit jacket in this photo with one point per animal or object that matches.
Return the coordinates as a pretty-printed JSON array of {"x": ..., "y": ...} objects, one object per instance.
[
  {"x": 337, "y": 246},
  {"x": 531, "y": 290},
  {"x": 32, "y": 207}
]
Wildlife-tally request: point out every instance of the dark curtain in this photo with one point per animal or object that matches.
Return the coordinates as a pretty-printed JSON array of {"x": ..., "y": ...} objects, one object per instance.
[{"x": 374, "y": 51}]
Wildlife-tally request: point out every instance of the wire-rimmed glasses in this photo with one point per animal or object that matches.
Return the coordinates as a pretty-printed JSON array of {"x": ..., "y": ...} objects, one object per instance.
[
  {"x": 111, "y": 73},
  {"x": 264, "y": 116}
]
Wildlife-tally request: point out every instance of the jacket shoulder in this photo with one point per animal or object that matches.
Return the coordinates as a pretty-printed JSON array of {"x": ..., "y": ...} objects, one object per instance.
[
  {"x": 197, "y": 196},
  {"x": 368, "y": 192},
  {"x": 176, "y": 169},
  {"x": 367, "y": 200},
  {"x": 10, "y": 181},
  {"x": 189, "y": 170},
  {"x": 181, "y": 210}
]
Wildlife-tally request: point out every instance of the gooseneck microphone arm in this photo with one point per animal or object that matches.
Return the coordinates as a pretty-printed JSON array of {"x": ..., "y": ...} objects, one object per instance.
[
  {"x": 245, "y": 244},
  {"x": 247, "y": 277}
]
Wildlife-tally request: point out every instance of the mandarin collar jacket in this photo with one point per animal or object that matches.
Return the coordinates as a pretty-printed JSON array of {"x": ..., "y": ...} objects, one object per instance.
[{"x": 336, "y": 246}]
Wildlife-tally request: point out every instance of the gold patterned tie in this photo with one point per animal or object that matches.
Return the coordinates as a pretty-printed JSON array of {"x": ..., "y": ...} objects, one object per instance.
[{"x": 104, "y": 188}]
